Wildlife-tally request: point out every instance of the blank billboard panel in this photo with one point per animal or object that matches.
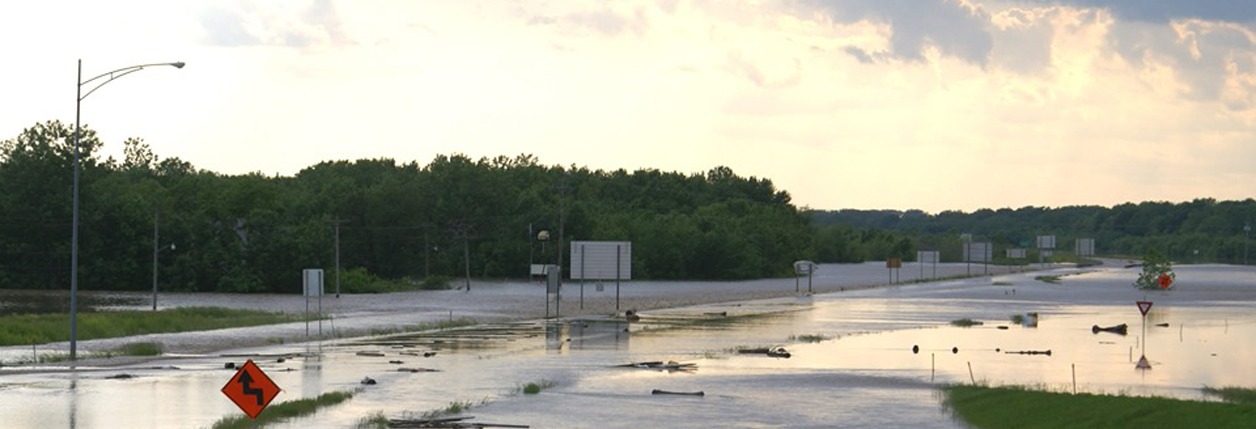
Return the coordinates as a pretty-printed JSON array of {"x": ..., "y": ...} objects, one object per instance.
[
  {"x": 1045, "y": 241},
  {"x": 1016, "y": 253},
  {"x": 599, "y": 260},
  {"x": 979, "y": 252},
  {"x": 1085, "y": 247},
  {"x": 928, "y": 256}
]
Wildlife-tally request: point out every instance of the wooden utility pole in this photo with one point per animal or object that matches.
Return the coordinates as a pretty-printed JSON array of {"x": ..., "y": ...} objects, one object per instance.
[{"x": 336, "y": 225}]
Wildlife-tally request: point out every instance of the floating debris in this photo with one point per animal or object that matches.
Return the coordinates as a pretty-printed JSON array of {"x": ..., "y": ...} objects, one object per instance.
[
  {"x": 776, "y": 352},
  {"x": 1029, "y": 352},
  {"x": 396, "y": 362},
  {"x": 1121, "y": 329},
  {"x": 668, "y": 392},
  {"x": 368, "y": 381},
  {"x": 417, "y": 370},
  {"x": 123, "y": 376},
  {"x": 371, "y": 354},
  {"x": 448, "y": 423},
  {"x": 670, "y": 365}
]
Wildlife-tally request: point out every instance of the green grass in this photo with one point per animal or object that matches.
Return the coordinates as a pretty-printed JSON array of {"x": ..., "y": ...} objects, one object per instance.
[
  {"x": 1019, "y": 407},
  {"x": 964, "y": 323},
  {"x": 426, "y": 326},
  {"x": 536, "y": 387},
  {"x": 453, "y": 408},
  {"x": 376, "y": 420},
  {"x": 1055, "y": 280},
  {"x": 284, "y": 411},
  {"x": 27, "y": 329},
  {"x": 808, "y": 338},
  {"x": 1236, "y": 395}
]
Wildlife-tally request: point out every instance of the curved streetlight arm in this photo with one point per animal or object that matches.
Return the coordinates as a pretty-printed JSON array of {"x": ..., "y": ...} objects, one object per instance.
[{"x": 115, "y": 74}]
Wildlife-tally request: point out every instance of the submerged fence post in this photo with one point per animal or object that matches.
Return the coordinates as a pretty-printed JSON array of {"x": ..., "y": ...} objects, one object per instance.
[
  {"x": 970, "y": 373},
  {"x": 1074, "y": 378}
]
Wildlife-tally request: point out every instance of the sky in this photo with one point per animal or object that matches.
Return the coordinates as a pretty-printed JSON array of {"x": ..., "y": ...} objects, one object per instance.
[{"x": 865, "y": 104}]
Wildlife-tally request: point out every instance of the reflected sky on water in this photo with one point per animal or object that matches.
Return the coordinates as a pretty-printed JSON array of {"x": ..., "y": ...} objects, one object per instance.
[{"x": 863, "y": 373}]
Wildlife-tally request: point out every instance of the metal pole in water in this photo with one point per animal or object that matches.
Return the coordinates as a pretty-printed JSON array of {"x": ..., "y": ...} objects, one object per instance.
[{"x": 1074, "y": 378}]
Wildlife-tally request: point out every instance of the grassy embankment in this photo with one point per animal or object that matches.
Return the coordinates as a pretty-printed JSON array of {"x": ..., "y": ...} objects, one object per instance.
[
  {"x": 283, "y": 411},
  {"x": 1019, "y": 407},
  {"x": 27, "y": 329}
]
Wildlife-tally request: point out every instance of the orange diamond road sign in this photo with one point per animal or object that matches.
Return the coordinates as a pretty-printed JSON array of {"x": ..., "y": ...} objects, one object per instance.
[
  {"x": 251, "y": 389},
  {"x": 1143, "y": 306}
]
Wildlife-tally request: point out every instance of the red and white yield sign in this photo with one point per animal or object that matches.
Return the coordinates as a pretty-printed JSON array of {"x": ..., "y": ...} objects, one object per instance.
[
  {"x": 1143, "y": 306},
  {"x": 251, "y": 389}
]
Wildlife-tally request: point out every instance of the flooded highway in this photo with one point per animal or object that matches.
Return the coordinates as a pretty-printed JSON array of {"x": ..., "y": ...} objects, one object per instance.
[{"x": 860, "y": 358}]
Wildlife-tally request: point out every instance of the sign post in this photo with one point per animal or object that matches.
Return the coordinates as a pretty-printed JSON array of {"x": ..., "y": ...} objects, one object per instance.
[
  {"x": 251, "y": 389},
  {"x": 1143, "y": 307}
]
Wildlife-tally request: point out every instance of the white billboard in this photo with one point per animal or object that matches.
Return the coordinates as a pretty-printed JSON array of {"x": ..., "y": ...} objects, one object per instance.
[
  {"x": 601, "y": 260},
  {"x": 1046, "y": 241},
  {"x": 928, "y": 256},
  {"x": 1016, "y": 253},
  {"x": 312, "y": 282},
  {"x": 979, "y": 252},
  {"x": 1085, "y": 247}
]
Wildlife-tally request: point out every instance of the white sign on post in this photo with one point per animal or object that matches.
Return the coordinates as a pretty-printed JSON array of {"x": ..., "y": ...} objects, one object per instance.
[
  {"x": 601, "y": 260},
  {"x": 312, "y": 286},
  {"x": 312, "y": 282}
]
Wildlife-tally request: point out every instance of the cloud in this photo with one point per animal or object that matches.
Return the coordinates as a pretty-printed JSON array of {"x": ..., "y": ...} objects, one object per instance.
[
  {"x": 953, "y": 27},
  {"x": 1166, "y": 11},
  {"x": 290, "y": 24},
  {"x": 605, "y": 19}
]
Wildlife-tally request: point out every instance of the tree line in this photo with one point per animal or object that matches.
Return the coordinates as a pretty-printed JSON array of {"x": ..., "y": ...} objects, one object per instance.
[
  {"x": 453, "y": 216},
  {"x": 1201, "y": 230},
  {"x": 456, "y": 216}
]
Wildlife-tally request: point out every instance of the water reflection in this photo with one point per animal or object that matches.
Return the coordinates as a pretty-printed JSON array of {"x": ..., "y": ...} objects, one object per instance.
[{"x": 862, "y": 371}]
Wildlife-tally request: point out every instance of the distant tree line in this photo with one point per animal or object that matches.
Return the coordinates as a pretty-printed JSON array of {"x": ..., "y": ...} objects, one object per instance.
[
  {"x": 454, "y": 216},
  {"x": 253, "y": 233},
  {"x": 1203, "y": 230}
]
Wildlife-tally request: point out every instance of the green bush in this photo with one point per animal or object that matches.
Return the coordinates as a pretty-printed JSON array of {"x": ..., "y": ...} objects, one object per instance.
[
  {"x": 359, "y": 280},
  {"x": 435, "y": 283}
]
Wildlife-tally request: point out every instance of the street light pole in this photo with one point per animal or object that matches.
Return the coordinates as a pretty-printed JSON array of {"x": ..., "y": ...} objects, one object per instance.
[
  {"x": 74, "y": 234},
  {"x": 156, "y": 252}
]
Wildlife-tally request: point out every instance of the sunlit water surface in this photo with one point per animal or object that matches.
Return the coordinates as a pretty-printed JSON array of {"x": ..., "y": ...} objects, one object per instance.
[{"x": 863, "y": 373}]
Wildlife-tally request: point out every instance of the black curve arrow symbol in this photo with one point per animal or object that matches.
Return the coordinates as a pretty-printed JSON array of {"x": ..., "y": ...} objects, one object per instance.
[{"x": 244, "y": 380}]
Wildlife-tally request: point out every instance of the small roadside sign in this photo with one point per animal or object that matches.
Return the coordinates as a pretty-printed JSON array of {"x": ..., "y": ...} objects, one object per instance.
[
  {"x": 251, "y": 389},
  {"x": 1164, "y": 280},
  {"x": 1143, "y": 306}
]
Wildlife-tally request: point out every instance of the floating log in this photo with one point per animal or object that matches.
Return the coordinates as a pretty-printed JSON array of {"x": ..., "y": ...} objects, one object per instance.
[
  {"x": 371, "y": 354},
  {"x": 1029, "y": 352},
  {"x": 670, "y": 365},
  {"x": 1121, "y": 329},
  {"x": 417, "y": 370},
  {"x": 448, "y": 423},
  {"x": 777, "y": 352},
  {"x": 368, "y": 380},
  {"x": 668, "y": 392}
]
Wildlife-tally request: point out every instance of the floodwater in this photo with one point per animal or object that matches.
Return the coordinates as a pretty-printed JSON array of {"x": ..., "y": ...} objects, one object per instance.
[{"x": 852, "y": 362}]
